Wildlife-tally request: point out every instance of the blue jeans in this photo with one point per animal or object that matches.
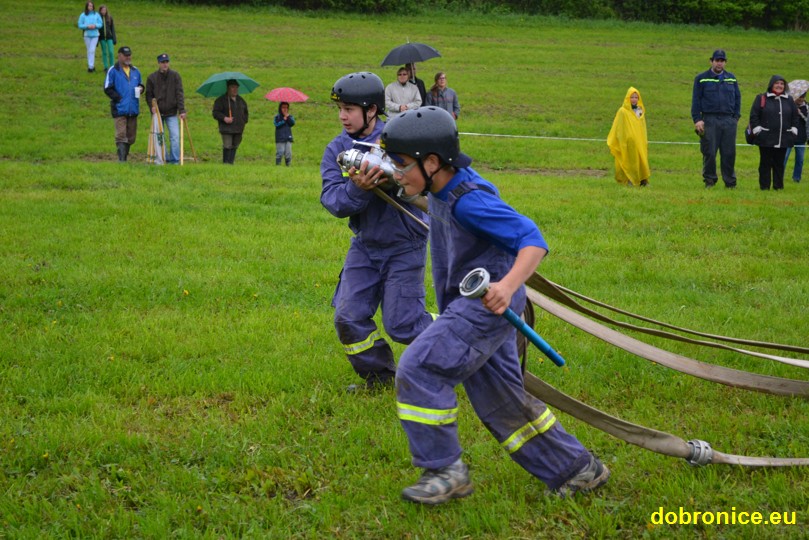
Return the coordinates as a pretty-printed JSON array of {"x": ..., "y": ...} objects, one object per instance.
[
  {"x": 172, "y": 126},
  {"x": 800, "y": 151}
]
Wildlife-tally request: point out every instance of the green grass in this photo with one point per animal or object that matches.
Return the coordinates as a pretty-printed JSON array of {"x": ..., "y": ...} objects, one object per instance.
[{"x": 168, "y": 365}]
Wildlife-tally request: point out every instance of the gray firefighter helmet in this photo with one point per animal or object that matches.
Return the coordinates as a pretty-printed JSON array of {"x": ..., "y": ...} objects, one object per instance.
[
  {"x": 362, "y": 88},
  {"x": 424, "y": 131}
]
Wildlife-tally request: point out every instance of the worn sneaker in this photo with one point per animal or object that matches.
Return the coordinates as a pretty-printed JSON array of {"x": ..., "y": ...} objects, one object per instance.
[
  {"x": 595, "y": 474},
  {"x": 438, "y": 486}
]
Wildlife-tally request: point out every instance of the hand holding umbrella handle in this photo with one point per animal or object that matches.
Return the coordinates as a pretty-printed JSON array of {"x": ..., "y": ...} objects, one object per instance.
[{"x": 475, "y": 285}]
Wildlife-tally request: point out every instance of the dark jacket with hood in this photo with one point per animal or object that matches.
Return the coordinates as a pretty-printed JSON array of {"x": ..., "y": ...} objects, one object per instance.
[
  {"x": 777, "y": 118},
  {"x": 283, "y": 128}
]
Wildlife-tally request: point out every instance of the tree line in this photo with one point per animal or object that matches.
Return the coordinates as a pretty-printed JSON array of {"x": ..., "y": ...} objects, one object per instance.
[{"x": 763, "y": 14}]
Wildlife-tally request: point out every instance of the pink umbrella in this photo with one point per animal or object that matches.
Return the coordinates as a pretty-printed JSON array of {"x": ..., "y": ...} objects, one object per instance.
[{"x": 290, "y": 95}]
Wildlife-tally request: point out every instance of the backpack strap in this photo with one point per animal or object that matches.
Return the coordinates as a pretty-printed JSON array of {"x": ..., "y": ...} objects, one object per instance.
[{"x": 466, "y": 187}]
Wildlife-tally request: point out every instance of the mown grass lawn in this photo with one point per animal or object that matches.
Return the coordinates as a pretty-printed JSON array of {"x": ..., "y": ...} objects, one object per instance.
[{"x": 168, "y": 366}]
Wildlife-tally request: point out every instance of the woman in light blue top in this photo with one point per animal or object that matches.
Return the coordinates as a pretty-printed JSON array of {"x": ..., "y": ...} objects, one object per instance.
[{"x": 90, "y": 22}]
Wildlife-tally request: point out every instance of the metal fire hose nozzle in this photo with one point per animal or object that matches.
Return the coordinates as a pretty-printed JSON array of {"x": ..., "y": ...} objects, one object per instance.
[{"x": 476, "y": 283}]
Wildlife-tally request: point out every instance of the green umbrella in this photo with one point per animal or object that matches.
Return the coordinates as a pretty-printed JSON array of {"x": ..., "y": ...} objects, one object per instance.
[{"x": 216, "y": 85}]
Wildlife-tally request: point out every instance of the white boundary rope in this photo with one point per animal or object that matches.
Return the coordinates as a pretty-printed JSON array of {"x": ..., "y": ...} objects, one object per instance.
[{"x": 575, "y": 138}]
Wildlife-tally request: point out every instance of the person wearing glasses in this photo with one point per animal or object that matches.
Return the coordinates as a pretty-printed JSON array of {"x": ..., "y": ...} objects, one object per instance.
[
  {"x": 166, "y": 86},
  {"x": 716, "y": 103},
  {"x": 470, "y": 343},
  {"x": 402, "y": 95}
]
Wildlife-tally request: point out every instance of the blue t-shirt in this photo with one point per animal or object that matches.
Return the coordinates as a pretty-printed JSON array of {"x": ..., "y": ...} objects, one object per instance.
[{"x": 483, "y": 213}]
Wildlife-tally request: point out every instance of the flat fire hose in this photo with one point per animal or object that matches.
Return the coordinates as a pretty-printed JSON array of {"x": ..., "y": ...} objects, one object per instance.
[
  {"x": 695, "y": 451},
  {"x": 558, "y": 293},
  {"x": 683, "y": 364}
]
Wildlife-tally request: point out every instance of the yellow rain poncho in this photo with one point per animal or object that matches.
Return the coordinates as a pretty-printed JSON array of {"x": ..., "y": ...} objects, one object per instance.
[{"x": 628, "y": 143}]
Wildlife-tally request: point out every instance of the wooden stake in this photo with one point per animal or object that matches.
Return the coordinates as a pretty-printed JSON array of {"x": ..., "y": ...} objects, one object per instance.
[{"x": 190, "y": 142}]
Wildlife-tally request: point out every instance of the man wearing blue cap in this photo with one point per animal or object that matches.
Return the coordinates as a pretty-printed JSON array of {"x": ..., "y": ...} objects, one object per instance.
[
  {"x": 166, "y": 86},
  {"x": 715, "y": 109}
]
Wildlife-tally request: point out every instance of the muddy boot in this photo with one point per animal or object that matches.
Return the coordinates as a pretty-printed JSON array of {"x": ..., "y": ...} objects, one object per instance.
[
  {"x": 126, "y": 150},
  {"x": 121, "y": 152}
]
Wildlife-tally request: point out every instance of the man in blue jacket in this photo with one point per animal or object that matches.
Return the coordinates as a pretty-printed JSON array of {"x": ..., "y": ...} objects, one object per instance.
[
  {"x": 387, "y": 256},
  {"x": 123, "y": 84},
  {"x": 716, "y": 103}
]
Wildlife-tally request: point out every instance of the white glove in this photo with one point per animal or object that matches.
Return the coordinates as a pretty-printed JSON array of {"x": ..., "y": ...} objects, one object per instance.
[
  {"x": 757, "y": 130},
  {"x": 794, "y": 131}
]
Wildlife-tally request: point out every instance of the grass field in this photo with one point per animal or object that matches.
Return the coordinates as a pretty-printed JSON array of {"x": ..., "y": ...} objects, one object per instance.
[{"x": 168, "y": 365}]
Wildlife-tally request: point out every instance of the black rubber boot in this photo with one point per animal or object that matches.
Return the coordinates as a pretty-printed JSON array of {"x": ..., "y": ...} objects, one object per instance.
[
  {"x": 232, "y": 155},
  {"x": 126, "y": 147},
  {"x": 287, "y": 162},
  {"x": 277, "y": 161},
  {"x": 226, "y": 155},
  {"x": 121, "y": 152}
]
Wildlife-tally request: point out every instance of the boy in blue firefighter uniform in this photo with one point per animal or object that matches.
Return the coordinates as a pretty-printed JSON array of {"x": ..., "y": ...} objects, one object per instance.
[
  {"x": 386, "y": 259},
  {"x": 470, "y": 343}
]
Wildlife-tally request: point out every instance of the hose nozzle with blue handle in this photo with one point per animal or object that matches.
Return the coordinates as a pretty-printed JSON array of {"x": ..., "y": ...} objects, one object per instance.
[{"x": 475, "y": 285}]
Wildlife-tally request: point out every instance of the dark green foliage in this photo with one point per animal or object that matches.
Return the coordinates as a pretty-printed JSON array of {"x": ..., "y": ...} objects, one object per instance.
[{"x": 767, "y": 14}]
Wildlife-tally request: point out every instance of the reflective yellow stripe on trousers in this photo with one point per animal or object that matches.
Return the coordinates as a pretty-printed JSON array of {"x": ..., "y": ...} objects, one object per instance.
[
  {"x": 364, "y": 345},
  {"x": 529, "y": 431},
  {"x": 433, "y": 417}
]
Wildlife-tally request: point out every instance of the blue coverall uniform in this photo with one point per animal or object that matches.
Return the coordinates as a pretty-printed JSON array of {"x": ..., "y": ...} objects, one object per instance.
[
  {"x": 472, "y": 227},
  {"x": 384, "y": 265}
]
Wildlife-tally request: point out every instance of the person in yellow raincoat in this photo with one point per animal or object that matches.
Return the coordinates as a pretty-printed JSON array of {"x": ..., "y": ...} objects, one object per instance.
[{"x": 628, "y": 143}]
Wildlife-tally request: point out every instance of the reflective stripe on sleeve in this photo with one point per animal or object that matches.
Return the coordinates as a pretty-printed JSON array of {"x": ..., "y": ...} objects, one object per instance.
[
  {"x": 529, "y": 431},
  {"x": 433, "y": 417},
  {"x": 364, "y": 345}
]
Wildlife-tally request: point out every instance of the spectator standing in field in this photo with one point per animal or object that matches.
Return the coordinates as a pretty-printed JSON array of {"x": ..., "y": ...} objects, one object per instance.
[
  {"x": 90, "y": 22},
  {"x": 385, "y": 263},
  {"x": 166, "y": 86},
  {"x": 123, "y": 85},
  {"x": 775, "y": 126},
  {"x": 411, "y": 76},
  {"x": 800, "y": 141},
  {"x": 628, "y": 142},
  {"x": 470, "y": 343},
  {"x": 716, "y": 103},
  {"x": 440, "y": 95},
  {"x": 283, "y": 134},
  {"x": 231, "y": 112},
  {"x": 107, "y": 37},
  {"x": 401, "y": 95}
]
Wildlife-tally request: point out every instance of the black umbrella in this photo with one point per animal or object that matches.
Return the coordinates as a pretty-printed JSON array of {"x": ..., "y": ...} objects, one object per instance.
[{"x": 409, "y": 53}]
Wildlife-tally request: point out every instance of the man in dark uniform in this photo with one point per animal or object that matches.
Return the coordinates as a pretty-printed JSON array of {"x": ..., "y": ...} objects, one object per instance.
[{"x": 715, "y": 109}]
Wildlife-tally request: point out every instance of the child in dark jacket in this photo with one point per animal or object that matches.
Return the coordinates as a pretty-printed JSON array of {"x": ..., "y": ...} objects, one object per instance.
[{"x": 283, "y": 134}]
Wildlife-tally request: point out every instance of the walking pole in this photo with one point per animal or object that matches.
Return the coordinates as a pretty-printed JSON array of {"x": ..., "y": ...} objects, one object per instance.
[
  {"x": 181, "y": 141},
  {"x": 190, "y": 142},
  {"x": 150, "y": 143}
]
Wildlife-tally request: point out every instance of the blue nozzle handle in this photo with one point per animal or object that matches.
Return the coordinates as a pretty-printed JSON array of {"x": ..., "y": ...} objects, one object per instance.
[
  {"x": 476, "y": 283},
  {"x": 533, "y": 337}
]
